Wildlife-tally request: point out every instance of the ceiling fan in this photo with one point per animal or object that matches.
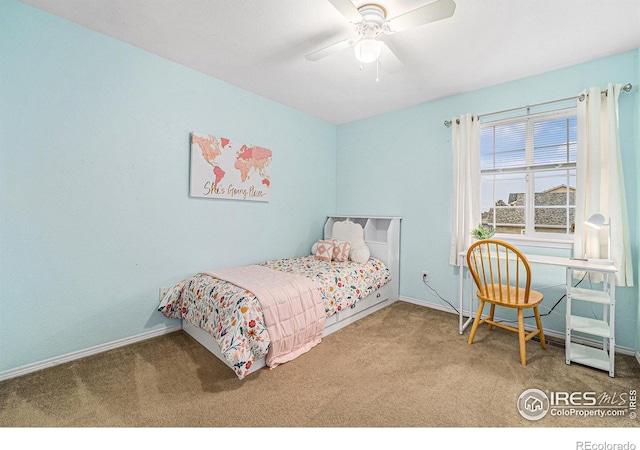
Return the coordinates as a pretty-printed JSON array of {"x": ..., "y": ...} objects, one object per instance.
[{"x": 370, "y": 22}]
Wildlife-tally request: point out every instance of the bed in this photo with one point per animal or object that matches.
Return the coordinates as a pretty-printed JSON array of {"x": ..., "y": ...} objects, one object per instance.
[{"x": 220, "y": 308}]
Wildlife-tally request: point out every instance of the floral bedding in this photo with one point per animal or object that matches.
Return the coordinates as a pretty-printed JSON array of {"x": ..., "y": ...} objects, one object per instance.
[{"x": 233, "y": 315}]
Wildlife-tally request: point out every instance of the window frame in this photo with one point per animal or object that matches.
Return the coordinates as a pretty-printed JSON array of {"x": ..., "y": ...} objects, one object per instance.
[{"x": 534, "y": 239}]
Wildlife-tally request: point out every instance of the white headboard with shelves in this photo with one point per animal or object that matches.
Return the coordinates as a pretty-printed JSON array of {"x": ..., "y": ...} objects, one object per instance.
[{"x": 382, "y": 235}]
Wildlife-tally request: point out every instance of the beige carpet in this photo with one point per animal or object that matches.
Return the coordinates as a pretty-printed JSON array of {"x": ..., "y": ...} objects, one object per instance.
[{"x": 404, "y": 366}]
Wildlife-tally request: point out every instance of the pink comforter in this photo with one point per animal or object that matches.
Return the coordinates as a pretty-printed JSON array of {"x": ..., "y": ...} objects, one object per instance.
[{"x": 293, "y": 308}]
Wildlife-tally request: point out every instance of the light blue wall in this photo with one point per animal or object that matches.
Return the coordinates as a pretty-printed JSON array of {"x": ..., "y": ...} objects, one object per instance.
[
  {"x": 400, "y": 164},
  {"x": 94, "y": 208},
  {"x": 95, "y": 214}
]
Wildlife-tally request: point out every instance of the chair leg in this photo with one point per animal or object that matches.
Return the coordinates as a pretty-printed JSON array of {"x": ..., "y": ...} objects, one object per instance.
[
  {"x": 539, "y": 324},
  {"x": 476, "y": 321},
  {"x": 491, "y": 312},
  {"x": 523, "y": 350}
]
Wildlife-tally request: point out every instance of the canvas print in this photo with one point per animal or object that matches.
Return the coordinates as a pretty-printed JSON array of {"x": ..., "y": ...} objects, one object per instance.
[{"x": 222, "y": 168}]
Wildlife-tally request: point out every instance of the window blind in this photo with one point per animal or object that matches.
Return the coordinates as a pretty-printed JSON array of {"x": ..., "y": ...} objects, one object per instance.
[{"x": 529, "y": 143}]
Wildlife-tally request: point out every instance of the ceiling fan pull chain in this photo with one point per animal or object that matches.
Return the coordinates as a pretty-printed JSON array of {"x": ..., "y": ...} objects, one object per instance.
[{"x": 377, "y": 70}]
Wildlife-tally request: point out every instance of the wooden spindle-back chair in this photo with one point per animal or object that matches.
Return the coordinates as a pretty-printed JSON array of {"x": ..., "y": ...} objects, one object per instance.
[{"x": 503, "y": 277}]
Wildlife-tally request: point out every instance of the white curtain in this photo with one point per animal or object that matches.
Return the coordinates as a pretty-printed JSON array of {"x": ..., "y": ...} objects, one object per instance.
[
  {"x": 465, "y": 143},
  {"x": 600, "y": 178}
]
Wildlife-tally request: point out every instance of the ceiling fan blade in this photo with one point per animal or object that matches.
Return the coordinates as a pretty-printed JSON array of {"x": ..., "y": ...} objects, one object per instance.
[
  {"x": 326, "y": 51},
  {"x": 347, "y": 9},
  {"x": 389, "y": 60},
  {"x": 432, "y": 12}
]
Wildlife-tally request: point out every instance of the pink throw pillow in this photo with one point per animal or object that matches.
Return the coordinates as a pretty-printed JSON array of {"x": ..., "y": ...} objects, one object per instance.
[
  {"x": 341, "y": 250},
  {"x": 324, "y": 252}
]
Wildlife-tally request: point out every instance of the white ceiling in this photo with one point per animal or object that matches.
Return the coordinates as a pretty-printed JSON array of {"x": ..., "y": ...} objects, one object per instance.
[{"x": 260, "y": 45}]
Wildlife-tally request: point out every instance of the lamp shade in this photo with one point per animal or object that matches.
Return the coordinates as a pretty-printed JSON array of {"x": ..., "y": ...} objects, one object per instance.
[
  {"x": 595, "y": 221},
  {"x": 368, "y": 50}
]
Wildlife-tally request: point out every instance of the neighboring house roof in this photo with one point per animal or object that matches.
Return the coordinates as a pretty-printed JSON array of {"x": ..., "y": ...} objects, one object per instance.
[
  {"x": 557, "y": 189},
  {"x": 513, "y": 213}
]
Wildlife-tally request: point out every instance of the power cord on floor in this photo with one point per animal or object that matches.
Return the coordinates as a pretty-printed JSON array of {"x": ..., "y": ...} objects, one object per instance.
[
  {"x": 559, "y": 300},
  {"x": 426, "y": 283},
  {"x": 552, "y": 308}
]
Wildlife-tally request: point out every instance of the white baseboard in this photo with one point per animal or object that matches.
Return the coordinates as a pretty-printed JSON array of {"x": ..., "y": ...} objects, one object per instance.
[
  {"x": 29, "y": 368},
  {"x": 551, "y": 333},
  {"x": 428, "y": 305}
]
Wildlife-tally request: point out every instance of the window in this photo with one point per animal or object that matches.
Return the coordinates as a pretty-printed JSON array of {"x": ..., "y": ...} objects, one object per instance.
[{"x": 528, "y": 175}]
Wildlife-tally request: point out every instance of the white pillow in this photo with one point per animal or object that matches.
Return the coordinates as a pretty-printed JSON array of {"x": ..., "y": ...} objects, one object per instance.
[{"x": 353, "y": 233}]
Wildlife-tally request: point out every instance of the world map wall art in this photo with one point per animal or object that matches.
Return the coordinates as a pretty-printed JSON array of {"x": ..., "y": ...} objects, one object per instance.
[{"x": 222, "y": 168}]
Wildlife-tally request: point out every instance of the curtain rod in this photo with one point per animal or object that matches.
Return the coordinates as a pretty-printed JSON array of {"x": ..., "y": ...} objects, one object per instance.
[{"x": 581, "y": 97}]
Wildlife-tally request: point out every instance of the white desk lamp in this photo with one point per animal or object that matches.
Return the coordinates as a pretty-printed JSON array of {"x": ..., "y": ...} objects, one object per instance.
[{"x": 597, "y": 221}]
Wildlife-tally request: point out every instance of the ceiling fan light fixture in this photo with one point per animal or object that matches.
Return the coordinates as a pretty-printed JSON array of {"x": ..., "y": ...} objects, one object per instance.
[{"x": 368, "y": 50}]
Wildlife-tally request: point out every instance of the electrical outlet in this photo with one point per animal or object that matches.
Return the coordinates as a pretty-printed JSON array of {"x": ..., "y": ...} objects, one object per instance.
[
  {"x": 425, "y": 277},
  {"x": 163, "y": 292}
]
